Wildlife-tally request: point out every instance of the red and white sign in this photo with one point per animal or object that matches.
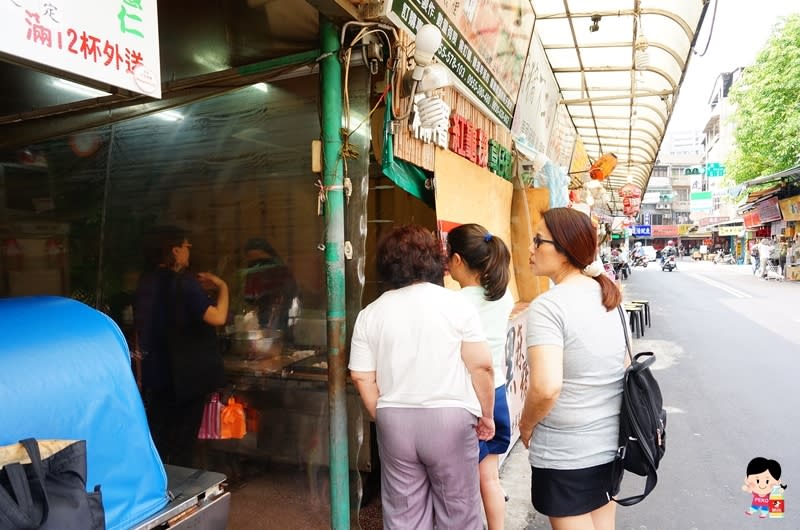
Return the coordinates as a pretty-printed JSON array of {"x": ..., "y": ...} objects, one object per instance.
[
  {"x": 751, "y": 219},
  {"x": 769, "y": 210},
  {"x": 664, "y": 231},
  {"x": 111, "y": 41}
]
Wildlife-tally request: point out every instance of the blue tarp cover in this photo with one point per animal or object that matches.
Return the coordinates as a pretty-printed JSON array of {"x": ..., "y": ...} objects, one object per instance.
[{"x": 65, "y": 373}]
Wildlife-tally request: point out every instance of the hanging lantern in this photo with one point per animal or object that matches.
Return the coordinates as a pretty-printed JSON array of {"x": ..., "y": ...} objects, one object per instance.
[
  {"x": 603, "y": 166},
  {"x": 631, "y": 191}
]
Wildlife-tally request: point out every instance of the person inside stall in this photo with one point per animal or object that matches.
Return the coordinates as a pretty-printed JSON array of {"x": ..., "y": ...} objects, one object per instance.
[
  {"x": 173, "y": 306},
  {"x": 268, "y": 284}
]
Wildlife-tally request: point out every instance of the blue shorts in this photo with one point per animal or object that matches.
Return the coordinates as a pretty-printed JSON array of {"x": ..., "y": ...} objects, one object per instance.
[{"x": 502, "y": 427}]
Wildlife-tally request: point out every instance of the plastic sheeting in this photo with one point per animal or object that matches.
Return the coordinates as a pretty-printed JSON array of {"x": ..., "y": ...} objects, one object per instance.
[
  {"x": 65, "y": 373},
  {"x": 554, "y": 179}
]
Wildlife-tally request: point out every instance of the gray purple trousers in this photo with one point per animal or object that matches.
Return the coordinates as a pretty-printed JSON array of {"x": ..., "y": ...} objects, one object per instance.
[{"x": 429, "y": 469}]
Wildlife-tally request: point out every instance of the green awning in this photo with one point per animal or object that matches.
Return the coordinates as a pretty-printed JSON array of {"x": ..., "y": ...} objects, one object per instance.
[{"x": 409, "y": 177}]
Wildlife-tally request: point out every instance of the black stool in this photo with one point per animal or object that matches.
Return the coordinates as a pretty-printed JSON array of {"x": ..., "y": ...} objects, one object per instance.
[
  {"x": 636, "y": 313},
  {"x": 646, "y": 304}
]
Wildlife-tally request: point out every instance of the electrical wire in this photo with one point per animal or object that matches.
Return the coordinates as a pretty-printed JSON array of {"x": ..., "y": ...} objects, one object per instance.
[{"x": 710, "y": 31}]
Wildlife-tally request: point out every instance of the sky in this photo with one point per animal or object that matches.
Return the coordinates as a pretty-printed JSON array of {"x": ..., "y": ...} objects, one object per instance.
[{"x": 740, "y": 31}]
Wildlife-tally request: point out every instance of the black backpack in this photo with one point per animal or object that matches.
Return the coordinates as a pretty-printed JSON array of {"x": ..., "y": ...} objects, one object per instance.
[{"x": 642, "y": 425}]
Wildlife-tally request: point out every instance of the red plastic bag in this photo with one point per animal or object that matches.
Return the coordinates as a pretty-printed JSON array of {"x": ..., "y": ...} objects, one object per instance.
[
  {"x": 210, "y": 426},
  {"x": 233, "y": 420}
]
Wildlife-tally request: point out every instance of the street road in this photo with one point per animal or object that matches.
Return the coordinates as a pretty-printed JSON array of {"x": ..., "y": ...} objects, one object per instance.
[{"x": 728, "y": 359}]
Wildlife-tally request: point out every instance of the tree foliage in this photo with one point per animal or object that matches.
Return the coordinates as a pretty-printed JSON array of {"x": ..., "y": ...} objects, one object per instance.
[{"x": 767, "y": 117}]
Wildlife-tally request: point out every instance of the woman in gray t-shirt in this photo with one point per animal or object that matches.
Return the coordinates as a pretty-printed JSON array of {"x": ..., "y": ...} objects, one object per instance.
[{"x": 576, "y": 354}]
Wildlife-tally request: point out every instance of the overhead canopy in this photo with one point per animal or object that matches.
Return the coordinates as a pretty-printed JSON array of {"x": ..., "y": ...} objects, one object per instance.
[
  {"x": 617, "y": 107},
  {"x": 791, "y": 173}
]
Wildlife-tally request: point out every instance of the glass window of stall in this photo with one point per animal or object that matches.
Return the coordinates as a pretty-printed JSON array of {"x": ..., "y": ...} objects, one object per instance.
[
  {"x": 234, "y": 172},
  {"x": 79, "y": 215}
]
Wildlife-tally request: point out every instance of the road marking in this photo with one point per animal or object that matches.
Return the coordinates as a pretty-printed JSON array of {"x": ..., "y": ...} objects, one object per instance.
[{"x": 730, "y": 290}]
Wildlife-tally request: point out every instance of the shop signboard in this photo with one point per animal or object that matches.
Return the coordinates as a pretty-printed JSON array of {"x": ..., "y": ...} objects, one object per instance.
[
  {"x": 701, "y": 201},
  {"x": 733, "y": 230},
  {"x": 769, "y": 210},
  {"x": 113, "y": 42},
  {"x": 538, "y": 98},
  {"x": 642, "y": 231},
  {"x": 517, "y": 371},
  {"x": 697, "y": 180},
  {"x": 751, "y": 219},
  {"x": 562, "y": 139},
  {"x": 683, "y": 229},
  {"x": 706, "y": 221},
  {"x": 790, "y": 208},
  {"x": 664, "y": 230},
  {"x": 484, "y": 48},
  {"x": 715, "y": 169}
]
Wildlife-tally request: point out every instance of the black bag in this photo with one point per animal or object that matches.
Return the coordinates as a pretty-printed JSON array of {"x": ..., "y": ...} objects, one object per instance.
[
  {"x": 195, "y": 360},
  {"x": 643, "y": 423},
  {"x": 49, "y": 493}
]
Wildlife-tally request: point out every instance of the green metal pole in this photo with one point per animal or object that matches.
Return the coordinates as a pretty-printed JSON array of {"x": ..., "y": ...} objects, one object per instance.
[{"x": 333, "y": 179}]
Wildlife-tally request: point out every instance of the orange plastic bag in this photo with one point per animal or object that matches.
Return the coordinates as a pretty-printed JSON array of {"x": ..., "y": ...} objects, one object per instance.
[{"x": 233, "y": 420}]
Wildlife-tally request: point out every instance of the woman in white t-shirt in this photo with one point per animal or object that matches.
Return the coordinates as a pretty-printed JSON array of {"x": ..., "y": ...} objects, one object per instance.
[
  {"x": 479, "y": 262},
  {"x": 420, "y": 361},
  {"x": 576, "y": 354}
]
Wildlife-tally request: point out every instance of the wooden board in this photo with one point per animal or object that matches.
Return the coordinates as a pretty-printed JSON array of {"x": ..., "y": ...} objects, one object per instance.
[
  {"x": 523, "y": 224},
  {"x": 467, "y": 193}
]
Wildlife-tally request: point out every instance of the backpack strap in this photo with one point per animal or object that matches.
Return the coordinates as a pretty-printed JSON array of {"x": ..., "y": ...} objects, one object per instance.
[
  {"x": 625, "y": 332},
  {"x": 652, "y": 478}
]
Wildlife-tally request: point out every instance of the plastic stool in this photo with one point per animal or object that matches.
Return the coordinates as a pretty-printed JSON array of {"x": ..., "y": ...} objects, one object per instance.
[
  {"x": 646, "y": 304},
  {"x": 636, "y": 313}
]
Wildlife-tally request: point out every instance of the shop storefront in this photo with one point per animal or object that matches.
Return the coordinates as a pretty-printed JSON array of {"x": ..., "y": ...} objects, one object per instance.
[
  {"x": 790, "y": 209},
  {"x": 231, "y": 154}
]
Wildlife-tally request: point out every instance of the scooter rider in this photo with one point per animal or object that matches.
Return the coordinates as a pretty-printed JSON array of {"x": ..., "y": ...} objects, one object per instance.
[
  {"x": 637, "y": 256},
  {"x": 668, "y": 251}
]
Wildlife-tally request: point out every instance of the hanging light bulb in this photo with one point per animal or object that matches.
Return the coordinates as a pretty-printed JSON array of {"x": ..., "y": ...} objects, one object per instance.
[{"x": 641, "y": 58}]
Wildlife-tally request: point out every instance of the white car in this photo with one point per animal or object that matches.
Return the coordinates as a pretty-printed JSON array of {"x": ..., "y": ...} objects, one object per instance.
[{"x": 649, "y": 252}]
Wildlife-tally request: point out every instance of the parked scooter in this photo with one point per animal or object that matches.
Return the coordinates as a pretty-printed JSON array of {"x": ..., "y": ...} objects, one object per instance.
[
  {"x": 725, "y": 258},
  {"x": 670, "y": 264}
]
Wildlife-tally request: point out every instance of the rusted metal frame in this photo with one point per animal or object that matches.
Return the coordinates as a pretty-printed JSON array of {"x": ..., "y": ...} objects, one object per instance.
[{"x": 331, "y": 92}]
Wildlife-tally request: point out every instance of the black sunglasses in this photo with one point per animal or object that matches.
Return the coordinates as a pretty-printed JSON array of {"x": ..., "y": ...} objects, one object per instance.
[{"x": 537, "y": 241}]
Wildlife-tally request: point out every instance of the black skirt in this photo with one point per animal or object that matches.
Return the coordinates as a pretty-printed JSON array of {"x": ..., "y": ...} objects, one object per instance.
[{"x": 568, "y": 492}]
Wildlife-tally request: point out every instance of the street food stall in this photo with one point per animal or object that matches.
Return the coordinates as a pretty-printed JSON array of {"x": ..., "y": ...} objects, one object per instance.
[{"x": 503, "y": 125}]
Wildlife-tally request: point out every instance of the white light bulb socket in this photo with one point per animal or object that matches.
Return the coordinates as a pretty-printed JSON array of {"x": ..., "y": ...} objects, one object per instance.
[{"x": 427, "y": 41}]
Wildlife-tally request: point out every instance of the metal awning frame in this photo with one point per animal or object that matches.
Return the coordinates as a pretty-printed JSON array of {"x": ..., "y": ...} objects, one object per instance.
[
  {"x": 616, "y": 104},
  {"x": 791, "y": 173}
]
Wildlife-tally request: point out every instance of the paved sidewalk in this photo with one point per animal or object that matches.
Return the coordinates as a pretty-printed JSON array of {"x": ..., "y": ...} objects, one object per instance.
[{"x": 515, "y": 477}]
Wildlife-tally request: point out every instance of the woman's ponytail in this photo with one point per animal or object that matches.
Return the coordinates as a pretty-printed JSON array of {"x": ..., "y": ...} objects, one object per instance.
[
  {"x": 495, "y": 273},
  {"x": 612, "y": 297},
  {"x": 483, "y": 253}
]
